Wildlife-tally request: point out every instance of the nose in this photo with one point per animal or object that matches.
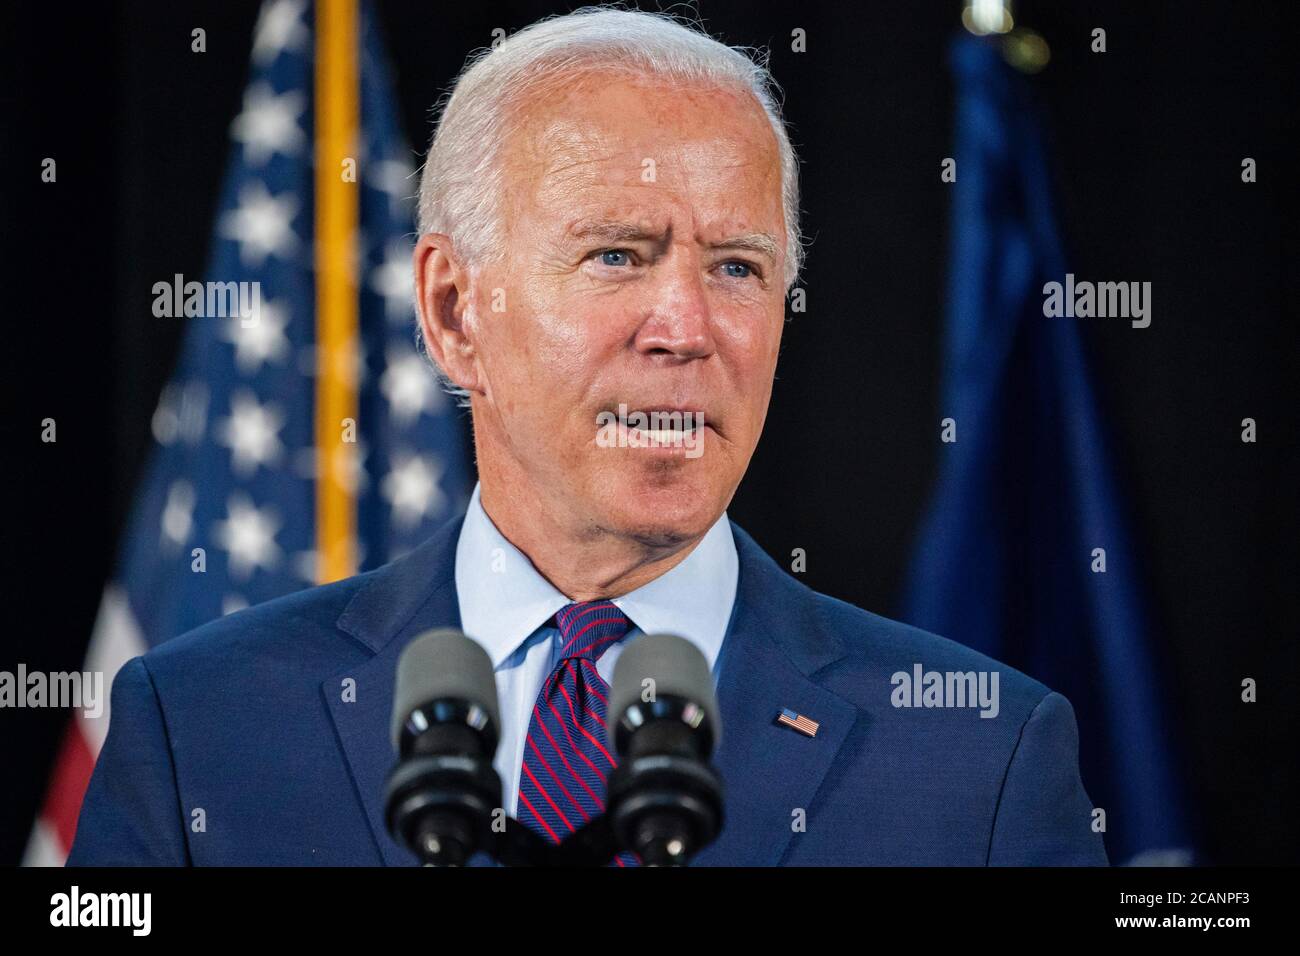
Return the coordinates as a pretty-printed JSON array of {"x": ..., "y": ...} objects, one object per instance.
[{"x": 679, "y": 323}]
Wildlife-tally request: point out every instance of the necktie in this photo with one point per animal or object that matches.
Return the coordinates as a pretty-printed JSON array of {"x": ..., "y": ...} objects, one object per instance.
[{"x": 566, "y": 757}]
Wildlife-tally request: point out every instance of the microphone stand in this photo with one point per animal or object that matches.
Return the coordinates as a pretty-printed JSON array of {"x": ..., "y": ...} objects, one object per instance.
[{"x": 592, "y": 844}]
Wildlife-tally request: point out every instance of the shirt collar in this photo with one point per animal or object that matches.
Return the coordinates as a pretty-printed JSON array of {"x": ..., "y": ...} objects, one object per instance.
[{"x": 503, "y": 599}]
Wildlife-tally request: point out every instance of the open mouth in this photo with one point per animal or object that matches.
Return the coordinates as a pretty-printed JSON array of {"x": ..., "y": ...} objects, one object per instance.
[
  {"x": 668, "y": 425},
  {"x": 654, "y": 427},
  {"x": 660, "y": 437}
]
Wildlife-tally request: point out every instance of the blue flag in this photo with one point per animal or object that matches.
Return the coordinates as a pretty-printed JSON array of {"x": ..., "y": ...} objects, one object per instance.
[{"x": 1025, "y": 553}]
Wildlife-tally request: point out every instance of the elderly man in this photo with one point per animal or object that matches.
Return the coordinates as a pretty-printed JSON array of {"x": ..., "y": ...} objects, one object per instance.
[{"x": 609, "y": 219}]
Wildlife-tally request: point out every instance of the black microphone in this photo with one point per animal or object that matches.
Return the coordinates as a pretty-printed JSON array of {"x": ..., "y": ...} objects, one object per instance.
[
  {"x": 446, "y": 724},
  {"x": 663, "y": 800}
]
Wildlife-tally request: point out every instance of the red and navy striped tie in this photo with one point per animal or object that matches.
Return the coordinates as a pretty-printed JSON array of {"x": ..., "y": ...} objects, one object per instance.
[{"x": 566, "y": 757}]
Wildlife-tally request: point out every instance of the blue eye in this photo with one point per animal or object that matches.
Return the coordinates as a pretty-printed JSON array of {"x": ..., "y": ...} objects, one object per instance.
[
  {"x": 749, "y": 270},
  {"x": 612, "y": 252}
]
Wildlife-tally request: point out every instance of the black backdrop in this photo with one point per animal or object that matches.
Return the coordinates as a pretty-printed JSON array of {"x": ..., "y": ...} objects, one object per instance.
[{"x": 1148, "y": 140}]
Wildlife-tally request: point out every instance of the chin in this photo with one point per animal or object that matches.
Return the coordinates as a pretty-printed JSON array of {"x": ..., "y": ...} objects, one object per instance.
[{"x": 661, "y": 508}]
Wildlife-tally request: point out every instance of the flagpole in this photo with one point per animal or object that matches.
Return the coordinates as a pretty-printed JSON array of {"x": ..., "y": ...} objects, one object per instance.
[{"x": 336, "y": 114}]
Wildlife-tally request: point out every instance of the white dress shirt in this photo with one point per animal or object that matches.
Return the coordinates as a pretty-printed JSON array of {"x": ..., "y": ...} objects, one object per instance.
[{"x": 505, "y": 605}]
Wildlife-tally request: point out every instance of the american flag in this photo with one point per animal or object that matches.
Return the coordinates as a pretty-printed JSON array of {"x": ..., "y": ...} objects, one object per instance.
[
  {"x": 229, "y": 511},
  {"x": 799, "y": 722}
]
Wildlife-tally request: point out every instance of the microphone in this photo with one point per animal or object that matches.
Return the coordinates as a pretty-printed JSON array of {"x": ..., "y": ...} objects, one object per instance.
[
  {"x": 442, "y": 793},
  {"x": 663, "y": 800}
]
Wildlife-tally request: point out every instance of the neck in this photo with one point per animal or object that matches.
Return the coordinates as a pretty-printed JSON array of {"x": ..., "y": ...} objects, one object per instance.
[{"x": 582, "y": 561}]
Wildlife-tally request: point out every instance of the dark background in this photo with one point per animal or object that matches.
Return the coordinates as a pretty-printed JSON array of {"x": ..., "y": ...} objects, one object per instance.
[{"x": 1148, "y": 139}]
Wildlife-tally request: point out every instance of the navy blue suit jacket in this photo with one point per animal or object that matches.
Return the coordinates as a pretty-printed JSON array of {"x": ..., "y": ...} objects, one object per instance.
[{"x": 233, "y": 744}]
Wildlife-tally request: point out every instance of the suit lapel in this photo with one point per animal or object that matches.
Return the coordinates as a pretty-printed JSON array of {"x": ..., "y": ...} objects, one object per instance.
[
  {"x": 400, "y": 602},
  {"x": 769, "y": 770}
]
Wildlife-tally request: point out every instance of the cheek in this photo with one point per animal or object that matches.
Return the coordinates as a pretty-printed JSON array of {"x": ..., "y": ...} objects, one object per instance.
[
  {"x": 561, "y": 345},
  {"x": 576, "y": 334},
  {"x": 753, "y": 336},
  {"x": 542, "y": 348}
]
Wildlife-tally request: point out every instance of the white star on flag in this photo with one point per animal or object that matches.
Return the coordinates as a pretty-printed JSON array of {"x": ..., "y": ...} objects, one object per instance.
[
  {"x": 261, "y": 224},
  {"x": 269, "y": 124},
  {"x": 409, "y": 386},
  {"x": 178, "y": 512},
  {"x": 394, "y": 279},
  {"x": 248, "y": 535},
  {"x": 396, "y": 177},
  {"x": 251, "y": 432},
  {"x": 279, "y": 27},
  {"x": 306, "y": 565},
  {"x": 182, "y": 413},
  {"x": 411, "y": 487},
  {"x": 263, "y": 341}
]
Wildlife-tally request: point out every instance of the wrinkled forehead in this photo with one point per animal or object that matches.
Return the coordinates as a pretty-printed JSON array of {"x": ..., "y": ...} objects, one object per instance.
[{"x": 604, "y": 137}]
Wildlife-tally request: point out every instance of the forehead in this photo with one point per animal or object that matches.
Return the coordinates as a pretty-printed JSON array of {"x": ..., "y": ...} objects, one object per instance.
[{"x": 641, "y": 145}]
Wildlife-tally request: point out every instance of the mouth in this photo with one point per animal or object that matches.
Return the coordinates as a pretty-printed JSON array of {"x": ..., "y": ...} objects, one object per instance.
[
  {"x": 669, "y": 421},
  {"x": 664, "y": 427}
]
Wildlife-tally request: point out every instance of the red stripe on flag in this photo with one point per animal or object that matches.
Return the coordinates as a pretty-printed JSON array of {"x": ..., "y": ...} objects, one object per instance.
[{"x": 72, "y": 770}]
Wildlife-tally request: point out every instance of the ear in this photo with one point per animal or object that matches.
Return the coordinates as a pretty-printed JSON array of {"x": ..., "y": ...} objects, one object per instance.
[{"x": 442, "y": 299}]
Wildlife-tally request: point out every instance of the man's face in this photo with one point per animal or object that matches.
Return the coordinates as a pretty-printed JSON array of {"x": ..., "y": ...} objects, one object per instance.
[{"x": 631, "y": 280}]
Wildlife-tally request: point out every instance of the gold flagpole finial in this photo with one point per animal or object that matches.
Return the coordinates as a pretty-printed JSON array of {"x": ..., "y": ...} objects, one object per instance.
[{"x": 1023, "y": 48}]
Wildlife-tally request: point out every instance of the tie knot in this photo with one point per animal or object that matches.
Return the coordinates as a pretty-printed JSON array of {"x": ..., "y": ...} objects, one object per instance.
[{"x": 589, "y": 628}]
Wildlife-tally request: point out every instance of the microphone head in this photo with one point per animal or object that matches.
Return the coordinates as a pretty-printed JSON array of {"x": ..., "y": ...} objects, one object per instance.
[
  {"x": 439, "y": 665},
  {"x": 678, "y": 669}
]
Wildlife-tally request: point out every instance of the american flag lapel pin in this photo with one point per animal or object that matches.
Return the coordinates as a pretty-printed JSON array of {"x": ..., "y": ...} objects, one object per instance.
[{"x": 798, "y": 722}]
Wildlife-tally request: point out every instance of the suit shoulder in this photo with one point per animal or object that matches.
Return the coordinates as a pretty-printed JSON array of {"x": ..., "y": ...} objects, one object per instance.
[
  {"x": 878, "y": 646},
  {"x": 874, "y": 648},
  {"x": 291, "y": 629},
  {"x": 873, "y": 645},
  {"x": 874, "y": 635},
  {"x": 310, "y": 633}
]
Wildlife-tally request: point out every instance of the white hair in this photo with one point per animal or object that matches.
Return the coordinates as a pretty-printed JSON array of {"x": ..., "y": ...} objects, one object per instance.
[{"x": 462, "y": 182}]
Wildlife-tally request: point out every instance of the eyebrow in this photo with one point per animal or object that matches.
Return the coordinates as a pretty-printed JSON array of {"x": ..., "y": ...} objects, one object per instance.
[
  {"x": 614, "y": 230},
  {"x": 759, "y": 242}
]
